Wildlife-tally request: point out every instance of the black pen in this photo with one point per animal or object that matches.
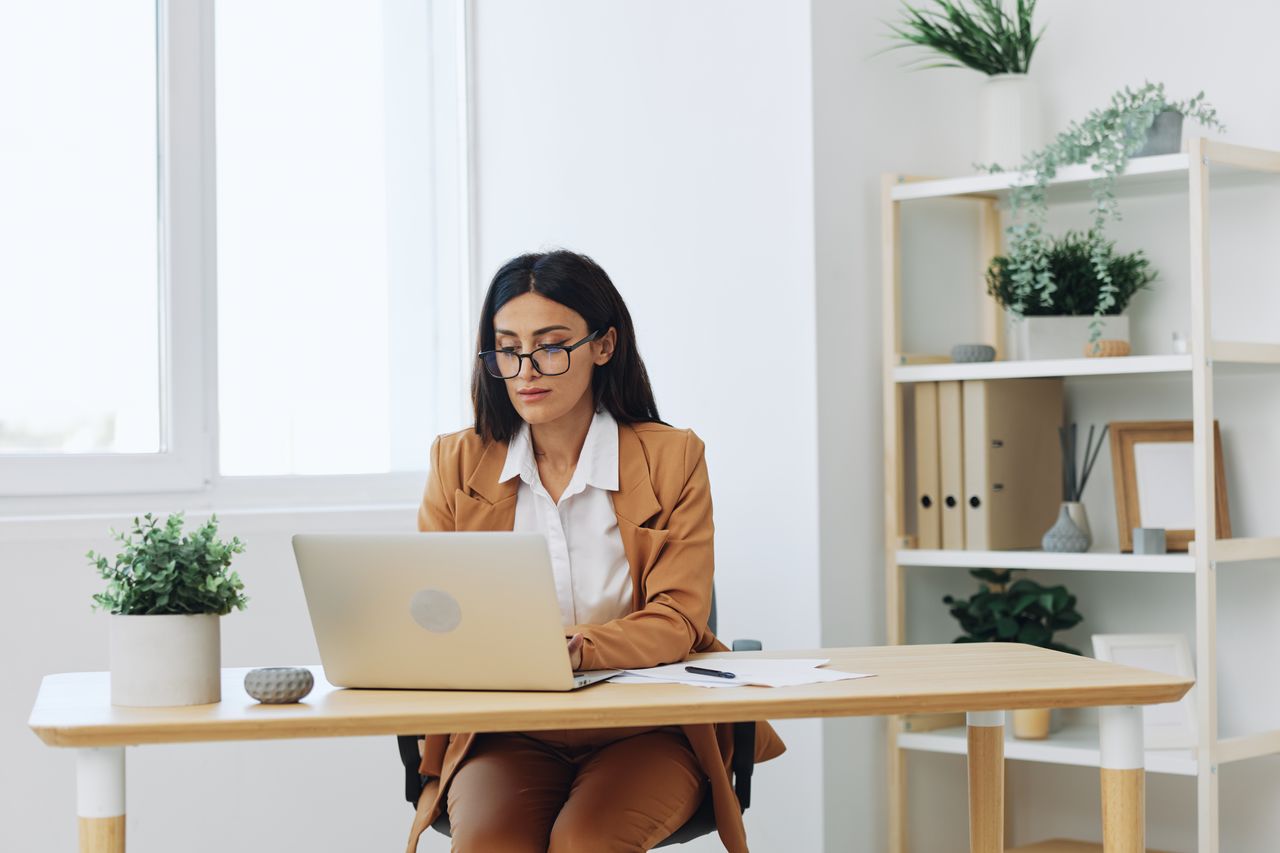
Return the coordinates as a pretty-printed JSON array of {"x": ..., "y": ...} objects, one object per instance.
[{"x": 697, "y": 670}]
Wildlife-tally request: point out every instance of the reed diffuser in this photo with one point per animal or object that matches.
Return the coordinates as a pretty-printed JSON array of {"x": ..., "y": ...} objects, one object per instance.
[{"x": 1071, "y": 532}]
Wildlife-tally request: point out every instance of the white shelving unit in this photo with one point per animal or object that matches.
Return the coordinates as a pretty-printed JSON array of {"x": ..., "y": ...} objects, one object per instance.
[{"x": 1077, "y": 744}]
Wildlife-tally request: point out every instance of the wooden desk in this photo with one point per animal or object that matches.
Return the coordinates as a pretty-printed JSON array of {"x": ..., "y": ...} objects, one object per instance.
[{"x": 74, "y": 710}]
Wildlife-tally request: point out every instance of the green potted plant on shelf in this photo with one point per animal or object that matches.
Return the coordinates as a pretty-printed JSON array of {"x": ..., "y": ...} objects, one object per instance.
[
  {"x": 1020, "y": 611},
  {"x": 984, "y": 36},
  {"x": 1106, "y": 139},
  {"x": 166, "y": 592},
  {"x": 1055, "y": 323}
]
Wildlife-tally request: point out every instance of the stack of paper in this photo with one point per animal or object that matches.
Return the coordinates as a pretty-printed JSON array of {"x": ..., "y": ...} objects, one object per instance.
[{"x": 761, "y": 672}]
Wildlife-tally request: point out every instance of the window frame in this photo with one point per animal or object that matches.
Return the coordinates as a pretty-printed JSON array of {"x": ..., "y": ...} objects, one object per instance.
[{"x": 186, "y": 469}]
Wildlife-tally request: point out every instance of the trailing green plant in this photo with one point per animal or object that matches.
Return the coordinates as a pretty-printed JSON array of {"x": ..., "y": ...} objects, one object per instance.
[
  {"x": 1019, "y": 612},
  {"x": 1106, "y": 139},
  {"x": 167, "y": 572},
  {"x": 1077, "y": 288},
  {"x": 982, "y": 36}
]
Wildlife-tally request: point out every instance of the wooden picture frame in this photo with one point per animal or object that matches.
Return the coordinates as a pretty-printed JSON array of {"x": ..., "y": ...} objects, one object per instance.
[
  {"x": 1167, "y": 726},
  {"x": 1149, "y": 445}
]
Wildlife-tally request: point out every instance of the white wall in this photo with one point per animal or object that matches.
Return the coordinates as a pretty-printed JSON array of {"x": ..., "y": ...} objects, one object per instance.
[{"x": 673, "y": 143}]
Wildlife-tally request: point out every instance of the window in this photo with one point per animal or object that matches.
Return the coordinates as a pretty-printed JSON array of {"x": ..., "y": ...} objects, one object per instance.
[
  {"x": 79, "y": 282},
  {"x": 237, "y": 247}
]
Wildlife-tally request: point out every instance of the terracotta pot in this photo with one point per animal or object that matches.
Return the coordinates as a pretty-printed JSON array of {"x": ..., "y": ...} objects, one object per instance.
[{"x": 1031, "y": 724}]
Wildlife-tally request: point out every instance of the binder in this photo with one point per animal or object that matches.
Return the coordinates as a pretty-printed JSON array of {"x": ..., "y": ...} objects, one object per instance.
[
  {"x": 951, "y": 463},
  {"x": 928, "y": 515},
  {"x": 1012, "y": 461}
]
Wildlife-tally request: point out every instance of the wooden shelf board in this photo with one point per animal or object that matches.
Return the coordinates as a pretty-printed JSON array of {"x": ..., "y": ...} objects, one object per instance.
[
  {"x": 1142, "y": 172},
  {"x": 1061, "y": 845},
  {"x": 1075, "y": 744},
  {"x": 1022, "y": 369},
  {"x": 1093, "y": 561}
]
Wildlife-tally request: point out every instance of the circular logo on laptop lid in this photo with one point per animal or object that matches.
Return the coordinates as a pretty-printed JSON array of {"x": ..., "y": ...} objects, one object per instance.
[{"x": 435, "y": 610}]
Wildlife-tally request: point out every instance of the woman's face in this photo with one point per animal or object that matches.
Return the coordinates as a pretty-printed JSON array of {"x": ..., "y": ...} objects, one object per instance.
[{"x": 531, "y": 320}]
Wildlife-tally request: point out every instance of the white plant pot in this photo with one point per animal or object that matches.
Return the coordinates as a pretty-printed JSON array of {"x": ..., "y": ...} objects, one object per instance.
[
  {"x": 1060, "y": 337},
  {"x": 1009, "y": 125},
  {"x": 166, "y": 660}
]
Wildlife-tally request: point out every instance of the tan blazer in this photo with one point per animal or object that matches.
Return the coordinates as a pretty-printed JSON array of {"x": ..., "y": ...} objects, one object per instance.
[{"x": 663, "y": 504}]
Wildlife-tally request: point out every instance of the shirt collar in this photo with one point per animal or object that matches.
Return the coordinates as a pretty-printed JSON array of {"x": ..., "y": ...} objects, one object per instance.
[{"x": 597, "y": 463}]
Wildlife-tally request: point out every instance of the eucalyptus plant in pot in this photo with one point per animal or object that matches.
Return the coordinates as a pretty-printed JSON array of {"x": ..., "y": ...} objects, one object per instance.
[
  {"x": 1022, "y": 611},
  {"x": 1106, "y": 139},
  {"x": 985, "y": 37},
  {"x": 166, "y": 592},
  {"x": 1056, "y": 323}
]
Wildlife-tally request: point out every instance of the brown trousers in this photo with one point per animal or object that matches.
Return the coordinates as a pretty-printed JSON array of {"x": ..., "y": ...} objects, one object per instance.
[{"x": 597, "y": 790}]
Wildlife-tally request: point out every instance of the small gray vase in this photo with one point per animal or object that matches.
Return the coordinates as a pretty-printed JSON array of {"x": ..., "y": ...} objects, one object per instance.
[{"x": 1065, "y": 537}]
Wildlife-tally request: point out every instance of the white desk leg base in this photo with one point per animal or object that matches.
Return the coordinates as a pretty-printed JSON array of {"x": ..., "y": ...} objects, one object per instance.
[
  {"x": 1123, "y": 780},
  {"x": 986, "y": 781},
  {"x": 100, "y": 799}
]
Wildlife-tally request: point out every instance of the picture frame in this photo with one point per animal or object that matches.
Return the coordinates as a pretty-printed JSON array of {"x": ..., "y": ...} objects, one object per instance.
[
  {"x": 1173, "y": 724},
  {"x": 1154, "y": 479}
]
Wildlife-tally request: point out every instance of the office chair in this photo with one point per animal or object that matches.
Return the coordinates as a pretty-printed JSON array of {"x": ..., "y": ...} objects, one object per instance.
[{"x": 702, "y": 822}]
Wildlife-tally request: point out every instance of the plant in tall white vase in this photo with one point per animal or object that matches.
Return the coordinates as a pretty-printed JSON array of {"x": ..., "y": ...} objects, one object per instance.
[
  {"x": 984, "y": 36},
  {"x": 166, "y": 592}
]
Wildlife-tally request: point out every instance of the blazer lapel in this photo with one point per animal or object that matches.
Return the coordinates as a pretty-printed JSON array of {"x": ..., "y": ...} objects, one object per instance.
[
  {"x": 636, "y": 505},
  {"x": 490, "y": 505}
]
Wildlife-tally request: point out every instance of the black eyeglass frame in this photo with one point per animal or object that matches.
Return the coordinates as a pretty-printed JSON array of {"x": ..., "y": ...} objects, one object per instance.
[{"x": 530, "y": 355}]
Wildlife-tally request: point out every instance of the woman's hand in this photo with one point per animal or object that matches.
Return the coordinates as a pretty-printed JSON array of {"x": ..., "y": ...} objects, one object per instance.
[{"x": 575, "y": 651}]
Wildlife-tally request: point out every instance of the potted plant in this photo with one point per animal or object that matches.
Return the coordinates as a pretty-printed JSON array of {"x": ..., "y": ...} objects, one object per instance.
[
  {"x": 985, "y": 37},
  {"x": 1056, "y": 321},
  {"x": 1019, "y": 612},
  {"x": 166, "y": 592},
  {"x": 1106, "y": 139}
]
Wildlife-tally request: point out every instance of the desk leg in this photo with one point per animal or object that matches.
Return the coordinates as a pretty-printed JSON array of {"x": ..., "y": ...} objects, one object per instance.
[
  {"x": 100, "y": 799},
  {"x": 986, "y": 781},
  {"x": 1123, "y": 780}
]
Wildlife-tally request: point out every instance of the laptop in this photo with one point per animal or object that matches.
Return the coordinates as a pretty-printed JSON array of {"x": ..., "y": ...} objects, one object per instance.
[{"x": 450, "y": 611}]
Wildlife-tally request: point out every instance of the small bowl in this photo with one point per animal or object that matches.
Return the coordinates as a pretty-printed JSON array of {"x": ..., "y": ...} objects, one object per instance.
[
  {"x": 1107, "y": 348},
  {"x": 278, "y": 685},
  {"x": 969, "y": 353}
]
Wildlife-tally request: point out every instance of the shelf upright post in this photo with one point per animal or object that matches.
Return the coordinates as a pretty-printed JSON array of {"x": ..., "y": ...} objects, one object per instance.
[
  {"x": 991, "y": 245},
  {"x": 895, "y": 613},
  {"x": 1205, "y": 504}
]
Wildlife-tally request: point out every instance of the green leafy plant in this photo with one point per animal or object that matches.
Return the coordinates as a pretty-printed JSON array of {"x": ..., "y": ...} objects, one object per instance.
[
  {"x": 1106, "y": 139},
  {"x": 167, "y": 572},
  {"x": 982, "y": 36},
  {"x": 1019, "y": 612},
  {"x": 1077, "y": 288}
]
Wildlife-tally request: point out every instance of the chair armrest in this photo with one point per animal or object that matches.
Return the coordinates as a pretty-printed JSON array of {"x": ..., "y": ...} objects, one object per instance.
[
  {"x": 410, "y": 757},
  {"x": 744, "y": 741}
]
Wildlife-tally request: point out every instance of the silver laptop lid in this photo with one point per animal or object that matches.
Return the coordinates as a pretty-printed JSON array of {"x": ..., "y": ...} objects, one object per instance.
[{"x": 467, "y": 611}]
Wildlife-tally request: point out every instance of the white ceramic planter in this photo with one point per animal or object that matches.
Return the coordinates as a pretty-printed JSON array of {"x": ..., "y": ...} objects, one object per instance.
[
  {"x": 1009, "y": 125},
  {"x": 166, "y": 660},
  {"x": 1060, "y": 337}
]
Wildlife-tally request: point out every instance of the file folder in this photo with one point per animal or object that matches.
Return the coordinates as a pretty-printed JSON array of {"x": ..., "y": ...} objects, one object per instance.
[
  {"x": 1012, "y": 461},
  {"x": 928, "y": 515},
  {"x": 951, "y": 463}
]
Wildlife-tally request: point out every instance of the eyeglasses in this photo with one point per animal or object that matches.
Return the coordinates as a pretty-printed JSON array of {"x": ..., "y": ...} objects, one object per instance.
[{"x": 548, "y": 360}]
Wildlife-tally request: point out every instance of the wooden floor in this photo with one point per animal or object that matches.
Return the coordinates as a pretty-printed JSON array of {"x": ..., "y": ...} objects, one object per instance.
[{"x": 1062, "y": 845}]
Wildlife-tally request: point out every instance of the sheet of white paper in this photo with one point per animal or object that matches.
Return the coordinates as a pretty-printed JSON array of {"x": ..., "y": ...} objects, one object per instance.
[{"x": 762, "y": 672}]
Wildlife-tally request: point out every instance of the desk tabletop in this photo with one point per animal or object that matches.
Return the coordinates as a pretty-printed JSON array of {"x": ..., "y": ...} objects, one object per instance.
[{"x": 74, "y": 709}]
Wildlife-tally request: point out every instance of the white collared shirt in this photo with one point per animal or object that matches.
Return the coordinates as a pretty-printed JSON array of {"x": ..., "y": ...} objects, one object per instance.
[{"x": 592, "y": 575}]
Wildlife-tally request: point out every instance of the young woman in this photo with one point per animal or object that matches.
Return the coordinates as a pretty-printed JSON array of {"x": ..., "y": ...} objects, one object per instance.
[{"x": 567, "y": 442}]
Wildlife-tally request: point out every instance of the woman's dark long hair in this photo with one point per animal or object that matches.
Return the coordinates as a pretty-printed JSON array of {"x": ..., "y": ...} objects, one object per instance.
[{"x": 575, "y": 281}]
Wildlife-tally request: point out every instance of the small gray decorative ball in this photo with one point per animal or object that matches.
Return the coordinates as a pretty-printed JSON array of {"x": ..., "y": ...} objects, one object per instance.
[
  {"x": 278, "y": 685},
  {"x": 965, "y": 353}
]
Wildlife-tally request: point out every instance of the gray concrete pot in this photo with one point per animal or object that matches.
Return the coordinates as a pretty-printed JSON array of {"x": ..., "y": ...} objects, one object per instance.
[{"x": 1165, "y": 135}]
